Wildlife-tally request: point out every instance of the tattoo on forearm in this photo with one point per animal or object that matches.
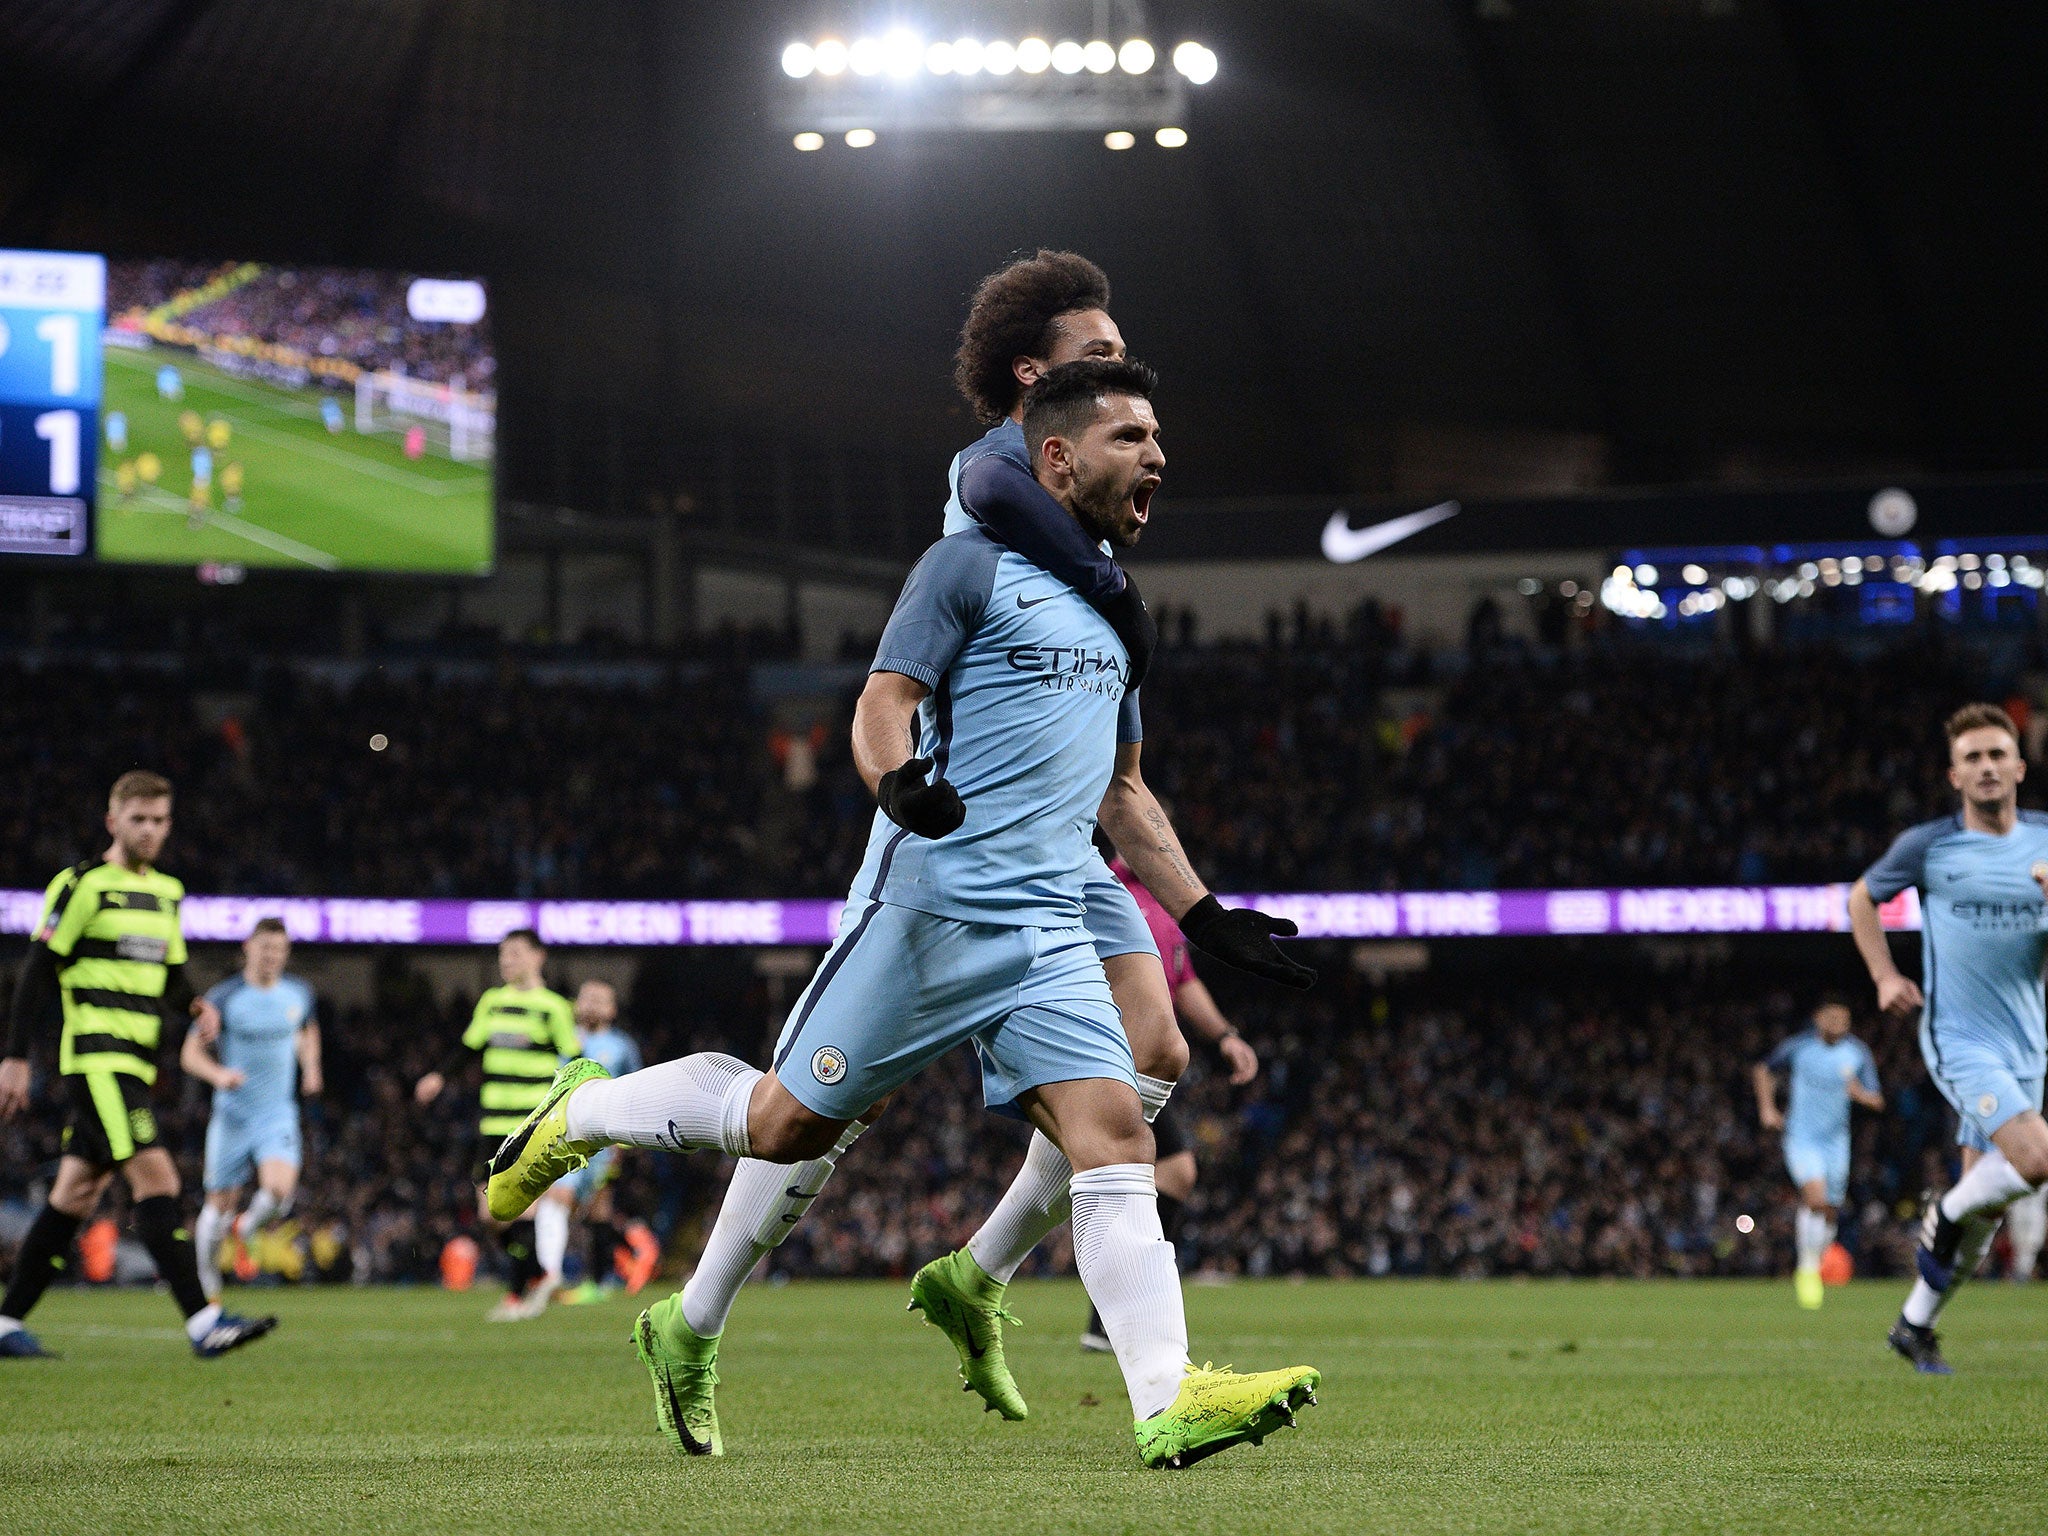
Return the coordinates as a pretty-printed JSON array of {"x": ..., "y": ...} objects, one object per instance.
[{"x": 1167, "y": 846}]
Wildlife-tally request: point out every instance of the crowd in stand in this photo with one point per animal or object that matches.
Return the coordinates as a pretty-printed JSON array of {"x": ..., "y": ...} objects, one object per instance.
[
  {"x": 348, "y": 314},
  {"x": 1288, "y": 767},
  {"x": 1587, "y": 1119}
]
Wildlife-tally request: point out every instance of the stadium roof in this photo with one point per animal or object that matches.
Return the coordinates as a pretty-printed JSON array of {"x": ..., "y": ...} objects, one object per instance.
[{"x": 1499, "y": 245}]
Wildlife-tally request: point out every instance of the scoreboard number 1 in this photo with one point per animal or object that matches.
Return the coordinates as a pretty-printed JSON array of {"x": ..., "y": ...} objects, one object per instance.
[
  {"x": 60, "y": 430},
  {"x": 61, "y": 332}
]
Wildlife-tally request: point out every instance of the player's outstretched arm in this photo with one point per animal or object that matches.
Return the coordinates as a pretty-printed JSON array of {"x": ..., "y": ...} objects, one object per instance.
[
  {"x": 884, "y": 748},
  {"x": 35, "y": 994},
  {"x": 1897, "y": 994},
  {"x": 1241, "y": 938},
  {"x": 1765, "y": 1081},
  {"x": 197, "y": 1061},
  {"x": 310, "y": 1081}
]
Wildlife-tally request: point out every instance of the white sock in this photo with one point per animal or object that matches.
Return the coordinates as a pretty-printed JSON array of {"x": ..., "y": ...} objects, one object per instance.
[
  {"x": 679, "y": 1106},
  {"x": 1925, "y": 1304},
  {"x": 1986, "y": 1189},
  {"x": 2026, "y": 1225},
  {"x": 263, "y": 1209},
  {"x": 207, "y": 1232},
  {"x": 1153, "y": 1092},
  {"x": 9, "y": 1325},
  {"x": 198, "y": 1324},
  {"x": 1813, "y": 1232},
  {"x": 550, "y": 1235},
  {"x": 762, "y": 1206},
  {"x": 1127, "y": 1267},
  {"x": 1035, "y": 1203}
]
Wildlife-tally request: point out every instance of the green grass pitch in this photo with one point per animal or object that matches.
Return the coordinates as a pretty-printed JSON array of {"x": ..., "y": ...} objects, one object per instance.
[
  {"x": 311, "y": 500},
  {"x": 1482, "y": 1407}
]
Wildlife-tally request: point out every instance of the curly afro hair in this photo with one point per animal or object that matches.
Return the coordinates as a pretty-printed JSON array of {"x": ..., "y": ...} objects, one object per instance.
[{"x": 1013, "y": 314}]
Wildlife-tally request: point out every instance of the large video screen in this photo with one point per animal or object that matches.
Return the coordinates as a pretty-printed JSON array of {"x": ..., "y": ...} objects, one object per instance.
[{"x": 236, "y": 413}]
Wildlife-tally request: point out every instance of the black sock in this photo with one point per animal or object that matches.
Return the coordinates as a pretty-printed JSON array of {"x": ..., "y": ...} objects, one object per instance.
[
  {"x": 520, "y": 1247},
  {"x": 1170, "y": 1213},
  {"x": 604, "y": 1242},
  {"x": 164, "y": 1235},
  {"x": 45, "y": 1254}
]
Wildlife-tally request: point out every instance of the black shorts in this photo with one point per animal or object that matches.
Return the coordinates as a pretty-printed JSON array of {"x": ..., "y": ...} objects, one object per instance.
[
  {"x": 1168, "y": 1137},
  {"x": 111, "y": 1117}
]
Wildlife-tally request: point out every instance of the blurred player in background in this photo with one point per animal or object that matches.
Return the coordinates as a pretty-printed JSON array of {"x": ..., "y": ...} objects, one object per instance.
[
  {"x": 589, "y": 1188},
  {"x": 109, "y": 949},
  {"x": 1826, "y": 1069},
  {"x": 266, "y": 1055},
  {"x": 1983, "y": 880},
  {"x": 1173, "y": 1158},
  {"x": 524, "y": 1031}
]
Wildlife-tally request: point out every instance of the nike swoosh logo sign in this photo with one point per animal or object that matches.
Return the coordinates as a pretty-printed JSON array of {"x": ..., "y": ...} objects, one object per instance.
[
  {"x": 1036, "y": 600},
  {"x": 1345, "y": 545},
  {"x": 796, "y": 1193}
]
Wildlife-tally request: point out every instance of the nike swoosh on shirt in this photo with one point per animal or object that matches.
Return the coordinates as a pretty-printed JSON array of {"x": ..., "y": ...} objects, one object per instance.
[
  {"x": 1036, "y": 600},
  {"x": 1344, "y": 544}
]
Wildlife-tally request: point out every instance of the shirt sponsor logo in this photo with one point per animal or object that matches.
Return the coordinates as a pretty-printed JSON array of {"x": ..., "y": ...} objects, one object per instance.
[{"x": 137, "y": 946}]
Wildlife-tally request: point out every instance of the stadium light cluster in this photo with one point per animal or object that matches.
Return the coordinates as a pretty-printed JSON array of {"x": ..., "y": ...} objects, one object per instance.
[
  {"x": 1054, "y": 78},
  {"x": 903, "y": 54}
]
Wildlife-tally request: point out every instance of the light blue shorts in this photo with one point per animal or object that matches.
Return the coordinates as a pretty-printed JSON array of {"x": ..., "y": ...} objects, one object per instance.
[
  {"x": 1112, "y": 917},
  {"x": 1979, "y": 1083},
  {"x": 1827, "y": 1161},
  {"x": 235, "y": 1147},
  {"x": 900, "y": 988},
  {"x": 586, "y": 1181}
]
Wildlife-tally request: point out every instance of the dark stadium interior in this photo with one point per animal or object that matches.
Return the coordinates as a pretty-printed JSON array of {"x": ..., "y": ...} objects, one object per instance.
[{"x": 1486, "y": 248}]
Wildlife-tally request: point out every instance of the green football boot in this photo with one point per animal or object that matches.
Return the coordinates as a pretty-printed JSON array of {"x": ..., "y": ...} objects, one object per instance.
[
  {"x": 685, "y": 1372},
  {"x": 962, "y": 1302},
  {"x": 1215, "y": 1410},
  {"x": 537, "y": 1154}
]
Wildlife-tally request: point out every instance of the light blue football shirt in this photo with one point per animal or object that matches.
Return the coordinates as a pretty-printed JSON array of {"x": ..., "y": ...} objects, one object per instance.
[
  {"x": 1817, "y": 1095},
  {"x": 259, "y": 1030},
  {"x": 1027, "y": 706},
  {"x": 1982, "y": 940},
  {"x": 615, "y": 1052}
]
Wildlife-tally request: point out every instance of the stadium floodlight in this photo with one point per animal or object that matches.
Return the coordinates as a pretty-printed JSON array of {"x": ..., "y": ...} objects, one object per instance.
[
  {"x": 859, "y": 138},
  {"x": 1195, "y": 62},
  {"x": 966, "y": 56},
  {"x": 902, "y": 53},
  {"x": 865, "y": 56},
  {"x": 1034, "y": 54},
  {"x": 1171, "y": 138},
  {"x": 829, "y": 57},
  {"x": 807, "y": 142},
  {"x": 1135, "y": 57},
  {"x": 999, "y": 58},
  {"x": 1068, "y": 56},
  {"x": 1099, "y": 57},
  {"x": 798, "y": 60},
  {"x": 939, "y": 58},
  {"x": 1119, "y": 138}
]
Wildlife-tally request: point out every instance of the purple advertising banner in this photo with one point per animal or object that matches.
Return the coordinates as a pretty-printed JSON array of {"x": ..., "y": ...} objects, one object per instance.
[{"x": 1320, "y": 915}]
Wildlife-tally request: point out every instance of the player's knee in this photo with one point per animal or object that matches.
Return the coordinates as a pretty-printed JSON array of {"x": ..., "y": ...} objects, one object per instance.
[
  {"x": 784, "y": 1131},
  {"x": 1164, "y": 1053}
]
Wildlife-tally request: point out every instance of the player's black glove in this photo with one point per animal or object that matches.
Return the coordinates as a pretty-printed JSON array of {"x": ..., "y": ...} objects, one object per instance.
[
  {"x": 1243, "y": 937},
  {"x": 929, "y": 810},
  {"x": 1134, "y": 625}
]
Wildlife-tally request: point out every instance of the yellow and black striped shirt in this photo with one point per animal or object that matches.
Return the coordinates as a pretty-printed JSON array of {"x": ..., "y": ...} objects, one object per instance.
[
  {"x": 115, "y": 935},
  {"x": 524, "y": 1036}
]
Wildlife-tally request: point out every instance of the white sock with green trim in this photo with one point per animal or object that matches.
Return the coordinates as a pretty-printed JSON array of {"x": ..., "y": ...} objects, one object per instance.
[{"x": 207, "y": 1233}]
